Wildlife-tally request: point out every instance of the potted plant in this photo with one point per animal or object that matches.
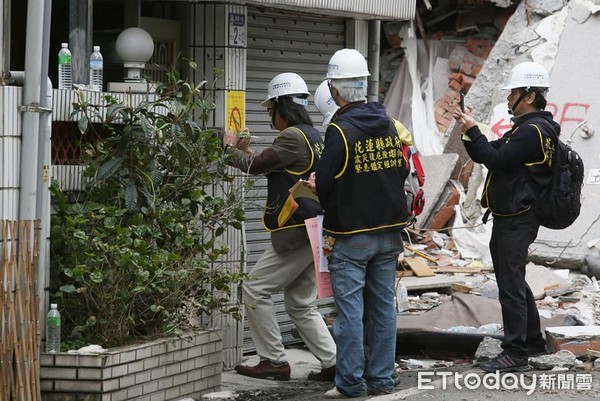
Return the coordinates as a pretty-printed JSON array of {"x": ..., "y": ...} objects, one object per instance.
[{"x": 138, "y": 254}]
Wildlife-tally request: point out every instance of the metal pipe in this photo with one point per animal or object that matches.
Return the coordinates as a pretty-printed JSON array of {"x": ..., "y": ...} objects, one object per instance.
[
  {"x": 374, "y": 49},
  {"x": 18, "y": 79},
  {"x": 35, "y": 128},
  {"x": 32, "y": 93},
  {"x": 42, "y": 207},
  {"x": 43, "y": 192},
  {"x": 5, "y": 42}
]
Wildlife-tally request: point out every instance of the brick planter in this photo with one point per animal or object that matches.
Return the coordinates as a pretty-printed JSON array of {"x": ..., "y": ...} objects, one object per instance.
[{"x": 162, "y": 370}]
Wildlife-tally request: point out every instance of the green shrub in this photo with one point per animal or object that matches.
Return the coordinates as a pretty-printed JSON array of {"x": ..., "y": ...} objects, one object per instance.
[{"x": 140, "y": 251}]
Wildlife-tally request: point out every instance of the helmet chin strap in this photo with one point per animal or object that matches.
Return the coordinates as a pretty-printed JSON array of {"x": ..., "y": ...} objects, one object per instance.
[
  {"x": 511, "y": 110},
  {"x": 273, "y": 115}
]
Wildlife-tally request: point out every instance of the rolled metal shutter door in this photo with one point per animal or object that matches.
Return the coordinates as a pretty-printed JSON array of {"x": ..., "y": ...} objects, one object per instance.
[{"x": 282, "y": 42}]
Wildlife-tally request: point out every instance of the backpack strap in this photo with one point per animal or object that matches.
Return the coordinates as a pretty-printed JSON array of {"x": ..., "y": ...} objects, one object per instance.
[{"x": 486, "y": 216}]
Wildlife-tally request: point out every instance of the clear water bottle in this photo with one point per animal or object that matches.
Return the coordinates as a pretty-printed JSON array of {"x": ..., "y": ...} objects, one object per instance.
[
  {"x": 401, "y": 297},
  {"x": 65, "y": 69},
  {"x": 53, "y": 330},
  {"x": 96, "y": 69}
]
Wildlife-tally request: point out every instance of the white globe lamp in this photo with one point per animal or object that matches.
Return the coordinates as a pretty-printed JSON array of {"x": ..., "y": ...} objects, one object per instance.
[{"x": 135, "y": 47}]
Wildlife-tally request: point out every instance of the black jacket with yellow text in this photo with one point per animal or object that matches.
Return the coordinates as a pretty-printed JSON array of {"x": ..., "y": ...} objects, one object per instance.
[
  {"x": 518, "y": 164},
  {"x": 360, "y": 178}
]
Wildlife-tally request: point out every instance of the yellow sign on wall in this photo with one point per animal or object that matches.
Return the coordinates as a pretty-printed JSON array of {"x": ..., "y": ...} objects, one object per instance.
[{"x": 236, "y": 112}]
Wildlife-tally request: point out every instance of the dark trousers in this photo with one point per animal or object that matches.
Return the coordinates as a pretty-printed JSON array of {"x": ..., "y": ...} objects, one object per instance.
[{"x": 509, "y": 244}]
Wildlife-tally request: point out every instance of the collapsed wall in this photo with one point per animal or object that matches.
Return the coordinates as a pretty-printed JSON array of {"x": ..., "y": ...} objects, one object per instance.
[{"x": 551, "y": 33}]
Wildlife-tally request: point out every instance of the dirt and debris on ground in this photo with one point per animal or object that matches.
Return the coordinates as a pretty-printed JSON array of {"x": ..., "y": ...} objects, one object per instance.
[{"x": 301, "y": 391}]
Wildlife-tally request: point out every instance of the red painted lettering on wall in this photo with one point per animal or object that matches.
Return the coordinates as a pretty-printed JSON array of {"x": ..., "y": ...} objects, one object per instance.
[
  {"x": 500, "y": 127},
  {"x": 571, "y": 115},
  {"x": 580, "y": 110}
]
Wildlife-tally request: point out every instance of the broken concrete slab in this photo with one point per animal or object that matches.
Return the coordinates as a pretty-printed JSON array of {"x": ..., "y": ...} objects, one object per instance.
[
  {"x": 545, "y": 7},
  {"x": 414, "y": 364},
  {"x": 562, "y": 359},
  {"x": 488, "y": 349},
  {"x": 437, "y": 173},
  {"x": 577, "y": 339},
  {"x": 541, "y": 279},
  {"x": 438, "y": 281}
]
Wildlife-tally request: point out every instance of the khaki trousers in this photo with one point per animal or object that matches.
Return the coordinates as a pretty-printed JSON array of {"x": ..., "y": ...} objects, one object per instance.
[{"x": 294, "y": 273}]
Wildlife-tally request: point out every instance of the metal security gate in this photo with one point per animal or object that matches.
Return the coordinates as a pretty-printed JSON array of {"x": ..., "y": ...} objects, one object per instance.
[{"x": 282, "y": 42}]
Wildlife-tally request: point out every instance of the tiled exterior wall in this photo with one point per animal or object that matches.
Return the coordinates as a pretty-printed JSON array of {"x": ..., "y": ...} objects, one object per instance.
[{"x": 162, "y": 370}]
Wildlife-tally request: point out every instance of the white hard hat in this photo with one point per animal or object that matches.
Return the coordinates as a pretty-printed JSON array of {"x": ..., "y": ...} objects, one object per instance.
[
  {"x": 325, "y": 102},
  {"x": 347, "y": 63},
  {"x": 287, "y": 84},
  {"x": 528, "y": 75}
]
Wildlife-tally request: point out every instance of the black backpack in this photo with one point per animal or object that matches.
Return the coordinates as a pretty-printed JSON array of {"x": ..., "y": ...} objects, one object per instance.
[{"x": 560, "y": 206}]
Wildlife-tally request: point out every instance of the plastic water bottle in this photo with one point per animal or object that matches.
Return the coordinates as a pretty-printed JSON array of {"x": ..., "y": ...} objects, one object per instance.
[
  {"x": 53, "y": 330},
  {"x": 96, "y": 69},
  {"x": 65, "y": 69},
  {"x": 402, "y": 297}
]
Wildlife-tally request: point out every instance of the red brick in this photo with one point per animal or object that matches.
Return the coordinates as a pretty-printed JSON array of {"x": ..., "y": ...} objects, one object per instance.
[
  {"x": 439, "y": 109},
  {"x": 450, "y": 106},
  {"x": 447, "y": 118},
  {"x": 455, "y": 85},
  {"x": 453, "y": 104},
  {"x": 428, "y": 242},
  {"x": 579, "y": 348},
  {"x": 468, "y": 82},
  {"x": 465, "y": 173},
  {"x": 442, "y": 218},
  {"x": 452, "y": 98},
  {"x": 454, "y": 198},
  {"x": 456, "y": 76},
  {"x": 577, "y": 339}
]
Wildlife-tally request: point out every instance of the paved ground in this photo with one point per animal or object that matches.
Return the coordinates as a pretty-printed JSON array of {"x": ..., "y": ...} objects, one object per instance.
[{"x": 439, "y": 384}]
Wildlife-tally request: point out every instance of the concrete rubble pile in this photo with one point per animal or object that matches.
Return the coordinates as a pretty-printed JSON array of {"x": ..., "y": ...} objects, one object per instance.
[
  {"x": 449, "y": 241},
  {"x": 442, "y": 273}
]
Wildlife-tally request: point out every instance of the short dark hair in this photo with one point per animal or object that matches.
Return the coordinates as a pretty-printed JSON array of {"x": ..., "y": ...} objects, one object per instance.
[
  {"x": 540, "y": 96},
  {"x": 292, "y": 112}
]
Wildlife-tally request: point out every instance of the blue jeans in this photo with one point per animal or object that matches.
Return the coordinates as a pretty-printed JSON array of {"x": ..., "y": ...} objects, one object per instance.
[{"x": 365, "y": 262}]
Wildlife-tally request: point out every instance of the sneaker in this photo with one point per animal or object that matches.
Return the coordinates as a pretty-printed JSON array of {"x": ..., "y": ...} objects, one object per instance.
[
  {"x": 532, "y": 353},
  {"x": 376, "y": 391},
  {"x": 325, "y": 375},
  {"x": 396, "y": 378},
  {"x": 506, "y": 363},
  {"x": 335, "y": 393}
]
